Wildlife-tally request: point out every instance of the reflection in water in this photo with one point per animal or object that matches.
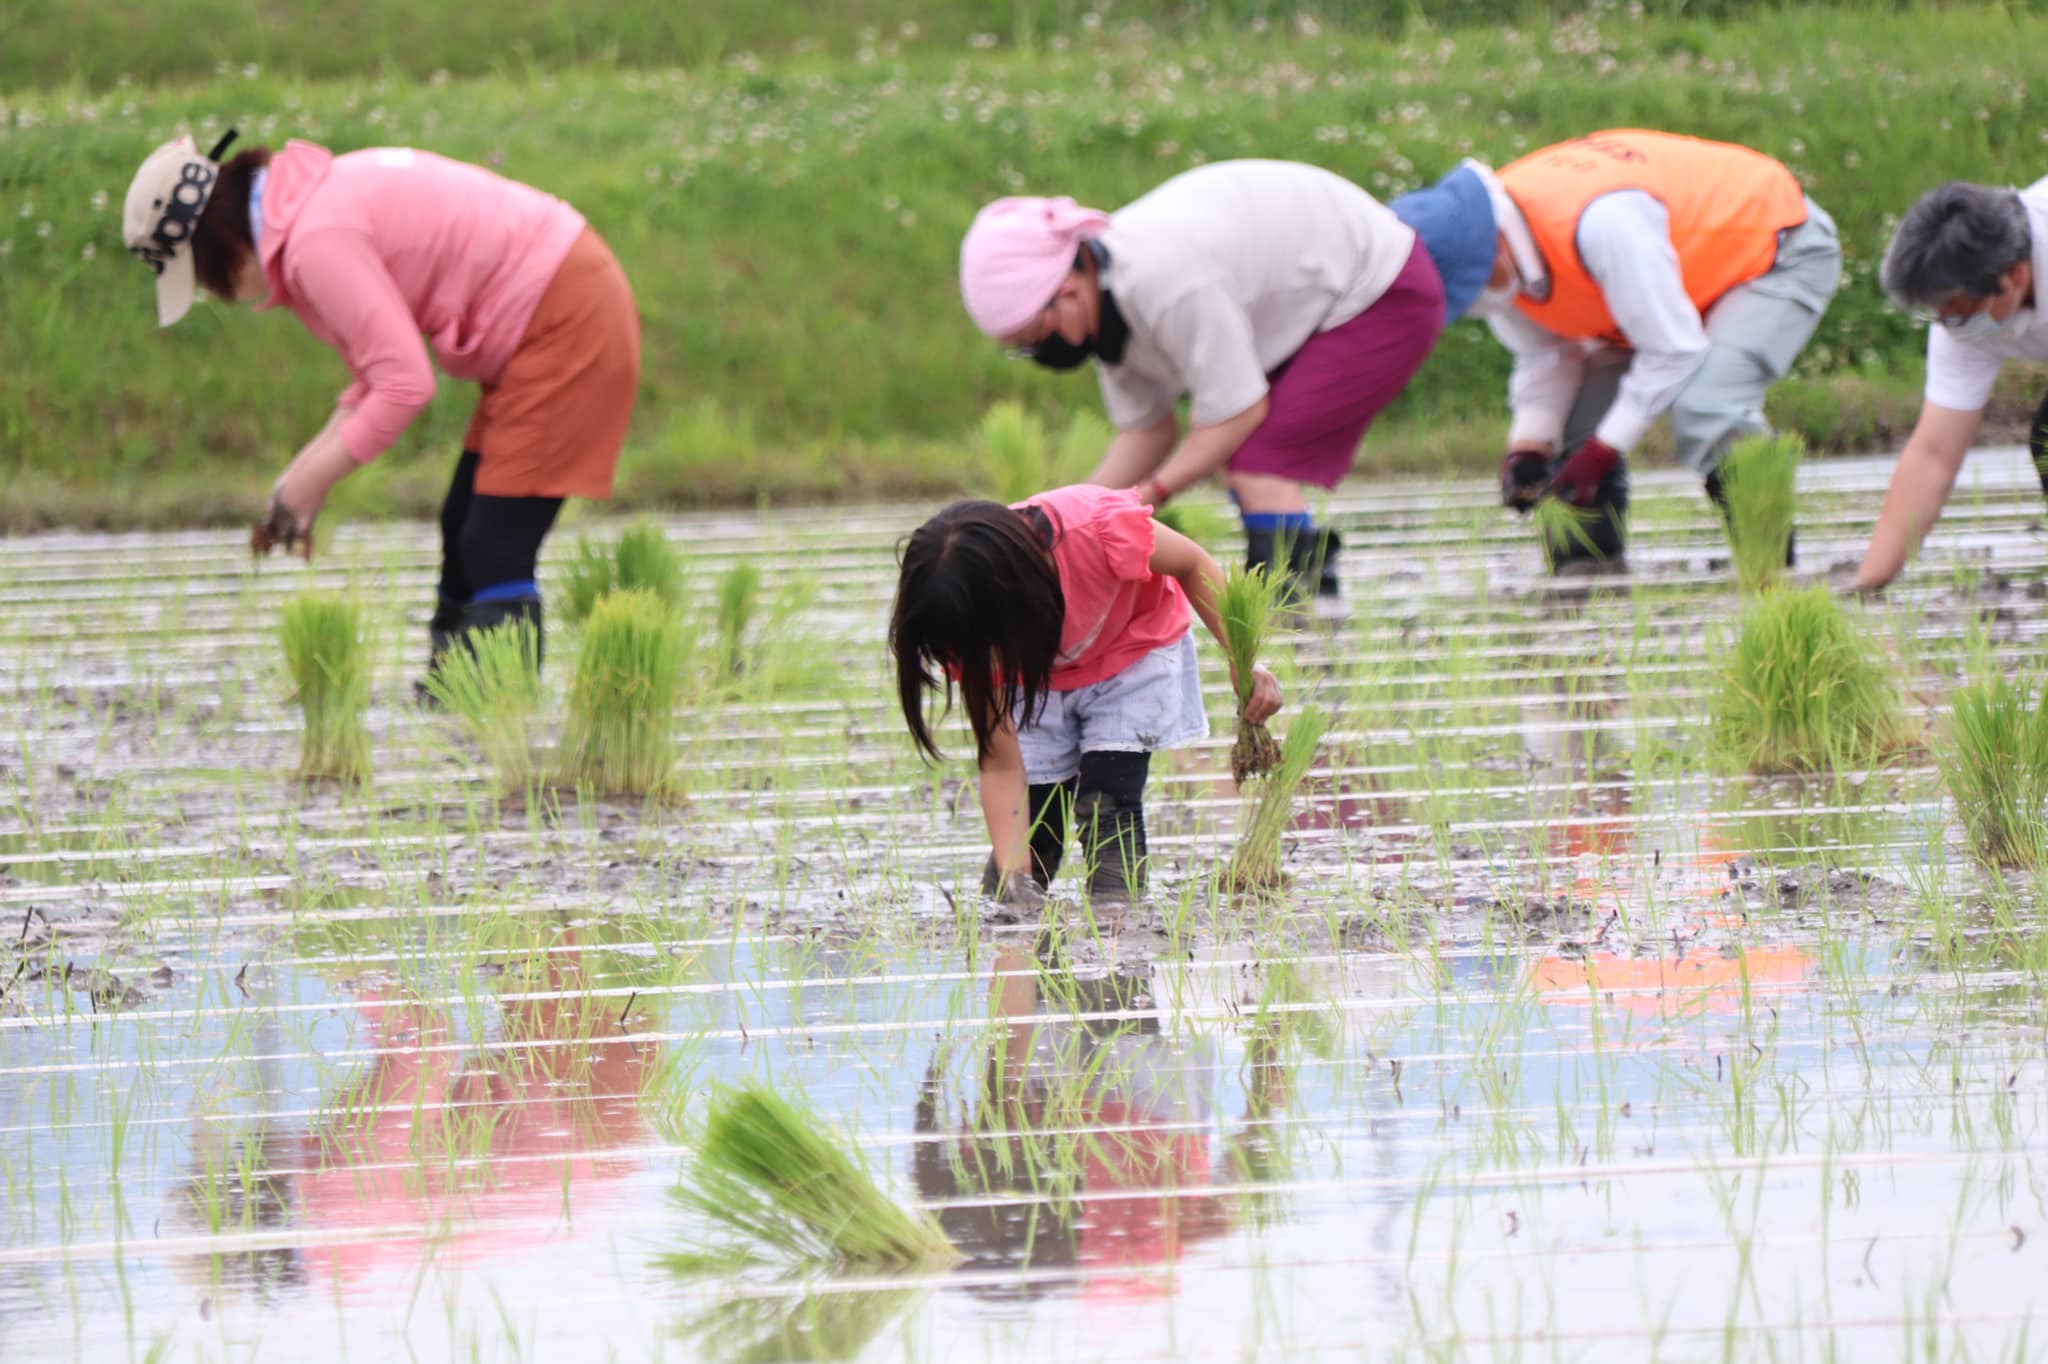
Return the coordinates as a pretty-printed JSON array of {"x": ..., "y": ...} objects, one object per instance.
[
  {"x": 1669, "y": 987},
  {"x": 428, "y": 1134},
  {"x": 1086, "y": 1143}
]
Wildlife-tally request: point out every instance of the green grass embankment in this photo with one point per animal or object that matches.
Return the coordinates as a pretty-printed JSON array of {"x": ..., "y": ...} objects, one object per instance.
[{"x": 791, "y": 227}]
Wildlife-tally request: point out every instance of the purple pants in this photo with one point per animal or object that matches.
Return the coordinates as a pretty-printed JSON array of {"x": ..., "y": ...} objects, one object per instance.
[{"x": 1321, "y": 401}]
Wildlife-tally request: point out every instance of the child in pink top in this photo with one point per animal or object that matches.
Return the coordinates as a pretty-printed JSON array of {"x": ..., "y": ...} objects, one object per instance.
[{"x": 1064, "y": 620}]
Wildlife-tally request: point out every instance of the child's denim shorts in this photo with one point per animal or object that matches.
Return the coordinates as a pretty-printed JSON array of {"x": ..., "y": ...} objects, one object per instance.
[{"x": 1153, "y": 704}]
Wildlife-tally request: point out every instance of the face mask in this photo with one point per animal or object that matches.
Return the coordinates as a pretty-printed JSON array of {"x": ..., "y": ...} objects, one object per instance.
[
  {"x": 1112, "y": 335},
  {"x": 1977, "y": 328},
  {"x": 1056, "y": 352}
]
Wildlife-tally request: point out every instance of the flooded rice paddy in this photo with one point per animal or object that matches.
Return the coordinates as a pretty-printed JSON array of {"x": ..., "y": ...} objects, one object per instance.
[{"x": 1561, "y": 1043}]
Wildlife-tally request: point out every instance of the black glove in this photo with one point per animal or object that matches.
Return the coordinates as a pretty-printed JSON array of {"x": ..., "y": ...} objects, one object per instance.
[{"x": 1522, "y": 476}]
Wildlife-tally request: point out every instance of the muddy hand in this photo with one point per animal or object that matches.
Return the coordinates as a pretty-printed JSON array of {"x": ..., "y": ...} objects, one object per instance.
[
  {"x": 283, "y": 526},
  {"x": 1012, "y": 890}
]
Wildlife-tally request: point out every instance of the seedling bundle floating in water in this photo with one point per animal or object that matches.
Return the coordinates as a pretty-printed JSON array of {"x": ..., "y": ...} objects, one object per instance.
[
  {"x": 1802, "y": 690},
  {"x": 1993, "y": 754},
  {"x": 778, "y": 1190},
  {"x": 329, "y": 666},
  {"x": 642, "y": 560},
  {"x": 1250, "y": 604},
  {"x": 1256, "y": 865},
  {"x": 491, "y": 683},
  {"x": 1758, "y": 481},
  {"x": 620, "y": 733}
]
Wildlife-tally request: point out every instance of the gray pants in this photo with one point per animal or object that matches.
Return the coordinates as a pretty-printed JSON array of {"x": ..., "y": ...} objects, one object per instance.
[{"x": 1754, "y": 333}]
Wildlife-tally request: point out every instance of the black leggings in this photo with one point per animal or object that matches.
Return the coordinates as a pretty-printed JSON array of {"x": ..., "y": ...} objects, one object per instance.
[
  {"x": 486, "y": 541},
  {"x": 2037, "y": 442},
  {"x": 1106, "y": 783}
]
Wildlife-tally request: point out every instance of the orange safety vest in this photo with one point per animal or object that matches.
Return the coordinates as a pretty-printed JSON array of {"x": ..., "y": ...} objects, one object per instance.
[{"x": 1727, "y": 205}]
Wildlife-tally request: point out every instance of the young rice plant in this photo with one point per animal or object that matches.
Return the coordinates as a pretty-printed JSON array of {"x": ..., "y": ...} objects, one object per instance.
[
  {"x": 1993, "y": 754},
  {"x": 1256, "y": 865},
  {"x": 491, "y": 683},
  {"x": 1758, "y": 479},
  {"x": 1250, "y": 604},
  {"x": 329, "y": 663},
  {"x": 738, "y": 593},
  {"x": 642, "y": 560},
  {"x": 620, "y": 732},
  {"x": 1803, "y": 690}
]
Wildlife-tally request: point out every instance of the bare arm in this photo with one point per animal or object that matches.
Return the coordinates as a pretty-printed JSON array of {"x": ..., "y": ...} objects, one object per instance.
[
  {"x": 1920, "y": 487},
  {"x": 1201, "y": 577},
  {"x": 1207, "y": 449},
  {"x": 1004, "y": 796},
  {"x": 1133, "y": 455}
]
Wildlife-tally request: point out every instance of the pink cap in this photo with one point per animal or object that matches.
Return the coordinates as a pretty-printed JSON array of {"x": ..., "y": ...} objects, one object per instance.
[{"x": 1015, "y": 255}]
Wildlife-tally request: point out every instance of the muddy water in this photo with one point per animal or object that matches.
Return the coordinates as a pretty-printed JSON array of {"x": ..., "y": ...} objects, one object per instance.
[{"x": 1559, "y": 1043}]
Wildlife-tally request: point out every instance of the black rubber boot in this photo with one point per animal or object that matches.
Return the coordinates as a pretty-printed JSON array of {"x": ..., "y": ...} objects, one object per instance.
[
  {"x": 1260, "y": 548},
  {"x": 1718, "y": 495},
  {"x": 1312, "y": 562},
  {"x": 487, "y": 615},
  {"x": 1113, "y": 840},
  {"x": 1599, "y": 542}
]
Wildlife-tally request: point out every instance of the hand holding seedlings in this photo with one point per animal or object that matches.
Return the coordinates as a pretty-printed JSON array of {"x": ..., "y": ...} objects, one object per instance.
[
  {"x": 1262, "y": 698},
  {"x": 301, "y": 490}
]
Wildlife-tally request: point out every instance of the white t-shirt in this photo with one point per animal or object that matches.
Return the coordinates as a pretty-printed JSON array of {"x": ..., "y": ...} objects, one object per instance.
[
  {"x": 1961, "y": 374},
  {"x": 1223, "y": 273}
]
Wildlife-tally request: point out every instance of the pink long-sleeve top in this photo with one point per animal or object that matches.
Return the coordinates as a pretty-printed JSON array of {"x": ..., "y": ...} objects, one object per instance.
[{"x": 375, "y": 249}]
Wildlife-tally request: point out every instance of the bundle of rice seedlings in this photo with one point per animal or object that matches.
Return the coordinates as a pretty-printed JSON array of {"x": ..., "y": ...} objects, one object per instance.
[
  {"x": 1013, "y": 452},
  {"x": 642, "y": 559},
  {"x": 1250, "y": 604},
  {"x": 1758, "y": 479},
  {"x": 779, "y": 1190},
  {"x": 738, "y": 592},
  {"x": 620, "y": 732},
  {"x": 1079, "y": 449},
  {"x": 329, "y": 663},
  {"x": 492, "y": 686},
  {"x": 1202, "y": 522},
  {"x": 1993, "y": 754},
  {"x": 1803, "y": 690},
  {"x": 1565, "y": 531},
  {"x": 1256, "y": 865}
]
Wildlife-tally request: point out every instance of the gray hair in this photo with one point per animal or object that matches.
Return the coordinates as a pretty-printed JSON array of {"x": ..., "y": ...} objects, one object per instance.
[{"x": 1957, "y": 239}]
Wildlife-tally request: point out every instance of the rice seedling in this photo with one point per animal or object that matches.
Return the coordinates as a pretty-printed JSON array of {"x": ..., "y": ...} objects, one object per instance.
[
  {"x": 620, "y": 731},
  {"x": 1757, "y": 484},
  {"x": 739, "y": 590},
  {"x": 492, "y": 686},
  {"x": 1803, "y": 690},
  {"x": 1993, "y": 756},
  {"x": 329, "y": 663},
  {"x": 1013, "y": 451},
  {"x": 779, "y": 1190},
  {"x": 641, "y": 560},
  {"x": 1256, "y": 864},
  {"x": 1250, "y": 605},
  {"x": 1566, "y": 532},
  {"x": 1203, "y": 522}
]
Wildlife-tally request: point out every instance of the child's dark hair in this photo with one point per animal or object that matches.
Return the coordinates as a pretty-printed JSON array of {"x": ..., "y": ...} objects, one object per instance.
[
  {"x": 978, "y": 602},
  {"x": 222, "y": 237}
]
